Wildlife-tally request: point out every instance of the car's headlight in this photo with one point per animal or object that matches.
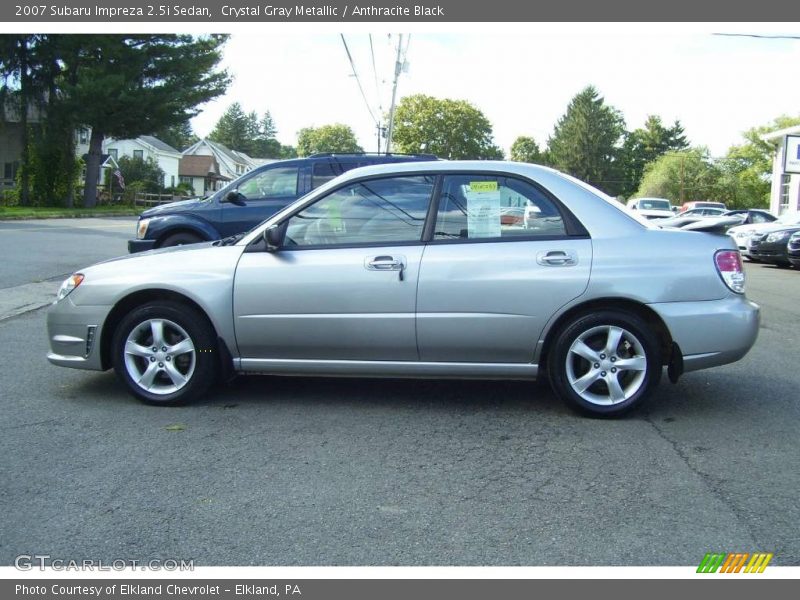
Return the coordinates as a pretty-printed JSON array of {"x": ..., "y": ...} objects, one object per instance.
[
  {"x": 69, "y": 284},
  {"x": 777, "y": 236},
  {"x": 141, "y": 228}
]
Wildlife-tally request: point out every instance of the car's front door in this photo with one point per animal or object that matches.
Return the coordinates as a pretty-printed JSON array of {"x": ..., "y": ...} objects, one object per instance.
[
  {"x": 487, "y": 289},
  {"x": 261, "y": 196},
  {"x": 343, "y": 286}
]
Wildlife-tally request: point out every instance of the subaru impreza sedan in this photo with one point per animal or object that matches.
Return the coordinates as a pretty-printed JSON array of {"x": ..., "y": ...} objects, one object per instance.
[{"x": 409, "y": 270}]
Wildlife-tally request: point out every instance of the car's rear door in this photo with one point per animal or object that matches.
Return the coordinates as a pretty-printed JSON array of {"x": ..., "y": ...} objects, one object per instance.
[
  {"x": 343, "y": 286},
  {"x": 486, "y": 290}
]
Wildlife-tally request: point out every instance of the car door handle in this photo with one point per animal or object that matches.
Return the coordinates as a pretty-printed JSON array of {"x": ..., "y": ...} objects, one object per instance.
[
  {"x": 386, "y": 263},
  {"x": 557, "y": 258}
]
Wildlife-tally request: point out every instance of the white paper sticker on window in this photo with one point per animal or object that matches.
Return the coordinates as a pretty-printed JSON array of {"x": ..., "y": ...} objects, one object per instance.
[{"x": 483, "y": 209}]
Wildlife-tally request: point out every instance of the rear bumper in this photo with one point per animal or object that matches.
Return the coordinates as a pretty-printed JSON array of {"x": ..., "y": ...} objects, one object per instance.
[
  {"x": 711, "y": 333},
  {"x": 140, "y": 245}
]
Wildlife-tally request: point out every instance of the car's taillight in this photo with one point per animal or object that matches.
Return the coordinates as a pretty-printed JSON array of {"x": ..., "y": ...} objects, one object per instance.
[{"x": 729, "y": 267}]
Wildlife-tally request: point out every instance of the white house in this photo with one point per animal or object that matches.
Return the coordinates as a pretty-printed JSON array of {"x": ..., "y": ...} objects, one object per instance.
[
  {"x": 144, "y": 147},
  {"x": 785, "y": 190},
  {"x": 201, "y": 173},
  {"x": 232, "y": 163}
]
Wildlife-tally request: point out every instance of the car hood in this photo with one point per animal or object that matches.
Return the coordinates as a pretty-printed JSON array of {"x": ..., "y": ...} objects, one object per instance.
[
  {"x": 758, "y": 227},
  {"x": 175, "y": 207}
]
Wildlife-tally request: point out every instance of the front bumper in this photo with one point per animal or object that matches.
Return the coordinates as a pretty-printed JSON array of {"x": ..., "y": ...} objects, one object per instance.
[
  {"x": 140, "y": 245},
  {"x": 74, "y": 334},
  {"x": 711, "y": 333},
  {"x": 771, "y": 252}
]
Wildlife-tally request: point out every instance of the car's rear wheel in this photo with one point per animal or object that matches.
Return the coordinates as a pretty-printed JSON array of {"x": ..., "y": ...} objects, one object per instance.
[
  {"x": 180, "y": 239},
  {"x": 164, "y": 353},
  {"x": 605, "y": 363}
]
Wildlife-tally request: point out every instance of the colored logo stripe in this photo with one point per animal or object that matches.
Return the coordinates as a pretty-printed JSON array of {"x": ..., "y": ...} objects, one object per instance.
[{"x": 733, "y": 562}]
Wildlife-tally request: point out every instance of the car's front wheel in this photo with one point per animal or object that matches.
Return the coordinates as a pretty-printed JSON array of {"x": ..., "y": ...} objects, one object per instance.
[
  {"x": 605, "y": 363},
  {"x": 164, "y": 353}
]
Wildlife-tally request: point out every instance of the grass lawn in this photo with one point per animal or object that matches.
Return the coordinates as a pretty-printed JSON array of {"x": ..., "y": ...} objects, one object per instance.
[{"x": 36, "y": 212}]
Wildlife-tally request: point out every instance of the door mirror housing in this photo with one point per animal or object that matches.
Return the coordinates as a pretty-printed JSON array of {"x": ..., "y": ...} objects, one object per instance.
[
  {"x": 234, "y": 197},
  {"x": 273, "y": 237}
]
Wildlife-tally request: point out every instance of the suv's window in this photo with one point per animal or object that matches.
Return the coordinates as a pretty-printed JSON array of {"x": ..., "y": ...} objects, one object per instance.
[
  {"x": 375, "y": 211},
  {"x": 480, "y": 207},
  {"x": 279, "y": 182}
]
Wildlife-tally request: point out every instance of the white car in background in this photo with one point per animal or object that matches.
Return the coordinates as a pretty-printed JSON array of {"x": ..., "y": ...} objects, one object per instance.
[
  {"x": 741, "y": 233},
  {"x": 652, "y": 208}
]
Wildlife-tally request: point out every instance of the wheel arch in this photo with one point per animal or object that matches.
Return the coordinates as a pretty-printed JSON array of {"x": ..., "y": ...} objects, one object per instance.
[
  {"x": 199, "y": 232},
  {"x": 623, "y": 304},
  {"x": 140, "y": 297}
]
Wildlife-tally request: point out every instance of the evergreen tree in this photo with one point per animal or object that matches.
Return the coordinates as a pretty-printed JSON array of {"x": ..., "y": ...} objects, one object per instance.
[{"x": 586, "y": 141}]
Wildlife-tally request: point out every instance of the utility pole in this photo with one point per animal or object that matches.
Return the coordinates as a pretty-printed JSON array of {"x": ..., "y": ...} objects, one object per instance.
[{"x": 398, "y": 66}]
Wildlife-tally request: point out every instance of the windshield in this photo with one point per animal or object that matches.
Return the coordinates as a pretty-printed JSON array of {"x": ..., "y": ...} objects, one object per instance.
[{"x": 654, "y": 204}]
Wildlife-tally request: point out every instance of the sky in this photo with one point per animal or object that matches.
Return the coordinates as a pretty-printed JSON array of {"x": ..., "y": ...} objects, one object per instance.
[{"x": 522, "y": 80}]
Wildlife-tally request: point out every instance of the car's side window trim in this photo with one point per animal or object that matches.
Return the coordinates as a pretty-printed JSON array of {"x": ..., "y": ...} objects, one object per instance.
[
  {"x": 352, "y": 182},
  {"x": 574, "y": 229}
]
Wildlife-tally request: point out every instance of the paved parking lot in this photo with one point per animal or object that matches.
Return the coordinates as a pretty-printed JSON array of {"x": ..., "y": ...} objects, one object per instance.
[{"x": 276, "y": 471}]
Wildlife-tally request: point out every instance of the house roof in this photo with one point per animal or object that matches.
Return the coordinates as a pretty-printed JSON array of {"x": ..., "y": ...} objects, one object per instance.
[
  {"x": 199, "y": 166},
  {"x": 777, "y": 135},
  {"x": 158, "y": 144},
  {"x": 106, "y": 160}
]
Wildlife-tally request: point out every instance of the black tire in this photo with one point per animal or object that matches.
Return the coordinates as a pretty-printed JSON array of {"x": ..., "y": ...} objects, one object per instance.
[
  {"x": 181, "y": 239},
  {"x": 567, "y": 368},
  {"x": 178, "y": 322}
]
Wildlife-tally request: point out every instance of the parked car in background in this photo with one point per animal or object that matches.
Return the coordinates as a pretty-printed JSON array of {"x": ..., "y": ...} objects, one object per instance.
[
  {"x": 248, "y": 200},
  {"x": 741, "y": 233},
  {"x": 752, "y": 216},
  {"x": 793, "y": 250},
  {"x": 407, "y": 270},
  {"x": 702, "y": 204},
  {"x": 771, "y": 244},
  {"x": 651, "y": 208},
  {"x": 708, "y": 211}
]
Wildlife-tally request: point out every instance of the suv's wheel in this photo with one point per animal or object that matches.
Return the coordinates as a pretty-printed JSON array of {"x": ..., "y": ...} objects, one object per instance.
[
  {"x": 164, "y": 352},
  {"x": 180, "y": 239},
  {"x": 605, "y": 363}
]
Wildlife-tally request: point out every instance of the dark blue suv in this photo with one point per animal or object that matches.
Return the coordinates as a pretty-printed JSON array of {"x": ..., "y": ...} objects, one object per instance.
[{"x": 248, "y": 200}]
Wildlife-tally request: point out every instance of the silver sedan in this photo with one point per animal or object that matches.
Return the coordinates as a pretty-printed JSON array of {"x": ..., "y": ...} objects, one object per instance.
[{"x": 410, "y": 270}]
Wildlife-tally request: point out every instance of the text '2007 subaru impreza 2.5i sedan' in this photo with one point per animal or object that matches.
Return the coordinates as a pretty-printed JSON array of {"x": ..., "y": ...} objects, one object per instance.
[{"x": 411, "y": 271}]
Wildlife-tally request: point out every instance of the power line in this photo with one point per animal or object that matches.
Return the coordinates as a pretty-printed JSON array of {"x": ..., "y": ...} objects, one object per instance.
[
  {"x": 760, "y": 36},
  {"x": 375, "y": 72},
  {"x": 358, "y": 81}
]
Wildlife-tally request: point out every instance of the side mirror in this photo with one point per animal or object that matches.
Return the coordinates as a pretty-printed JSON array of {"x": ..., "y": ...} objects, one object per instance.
[
  {"x": 273, "y": 237},
  {"x": 234, "y": 197}
]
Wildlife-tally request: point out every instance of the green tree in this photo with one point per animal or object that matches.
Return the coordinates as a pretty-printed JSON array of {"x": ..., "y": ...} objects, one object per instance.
[
  {"x": 131, "y": 85},
  {"x": 746, "y": 170},
  {"x": 681, "y": 176},
  {"x": 525, "y": 149},
  {"x": 179, "y": 136},
  {"x": 143, "y": 174},
  {"x": 448, "y": 128},
  {"x": 232, "y": 129},
  {"x": 248, "y": 133},
  {"x": 644, "y": 145},
  {"x": 587, "y": 139},
  {"x": 327, "y": 138}
]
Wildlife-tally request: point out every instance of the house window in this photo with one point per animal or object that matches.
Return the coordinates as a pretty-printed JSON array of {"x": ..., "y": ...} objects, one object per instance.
[
  {"x": 784, "y": 193},
  {"x": 138, "y": 154},
  {"x": 112, "y": 152},
  {"x": 172, "y": 181},
  {"x": 10, "y": 170},
  {"x": 83, "y": 136}
]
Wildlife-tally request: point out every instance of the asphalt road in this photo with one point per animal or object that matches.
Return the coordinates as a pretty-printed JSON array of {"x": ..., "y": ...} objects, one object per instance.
[{"x": 272, "y": 471}]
